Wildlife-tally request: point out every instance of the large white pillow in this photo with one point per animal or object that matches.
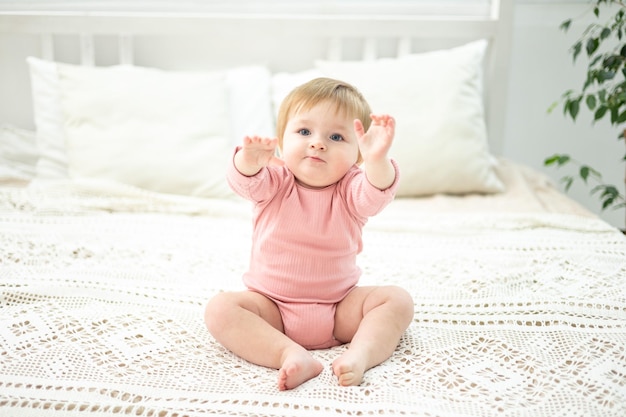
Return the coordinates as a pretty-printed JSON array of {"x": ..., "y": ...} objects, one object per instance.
[
  {"x": 183, "y": 124},
  {"x": 437, "y": 101},
  {"x": 18, "y": 153},
  {"x": 165, "y": 132},
  {"x": 46, "y": 92}
]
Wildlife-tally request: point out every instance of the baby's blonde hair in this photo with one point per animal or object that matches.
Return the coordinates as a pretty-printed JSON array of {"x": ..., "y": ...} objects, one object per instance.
[{"x": 345, "y": 97}]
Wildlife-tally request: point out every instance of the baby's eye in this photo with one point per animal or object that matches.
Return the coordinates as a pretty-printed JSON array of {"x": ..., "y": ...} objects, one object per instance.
[
  {"x": 304, "y": 132},
  {"x": 336, "y": 137}
]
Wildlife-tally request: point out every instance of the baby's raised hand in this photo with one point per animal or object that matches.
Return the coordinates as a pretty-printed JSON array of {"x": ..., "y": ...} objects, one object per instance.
[
  {"x": 256, "y": 152},
  {"x": 375, "y": 143}
]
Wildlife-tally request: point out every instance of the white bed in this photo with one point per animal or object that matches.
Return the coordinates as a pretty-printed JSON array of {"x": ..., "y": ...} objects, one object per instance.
[{"x": 109, "y": 253}]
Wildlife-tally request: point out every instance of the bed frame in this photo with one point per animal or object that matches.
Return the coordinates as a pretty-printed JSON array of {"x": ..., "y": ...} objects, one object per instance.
[{"x": 281, "y": 41}]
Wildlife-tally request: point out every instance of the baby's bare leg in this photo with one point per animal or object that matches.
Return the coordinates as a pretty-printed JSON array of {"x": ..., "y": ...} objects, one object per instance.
[
  {"x": 249, "y": 325},
  {"x": 373, "y": 319}
]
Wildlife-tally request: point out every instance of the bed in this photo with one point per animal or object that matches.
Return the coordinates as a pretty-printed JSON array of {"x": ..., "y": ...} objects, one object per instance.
[{"x": 116, "y": 226}]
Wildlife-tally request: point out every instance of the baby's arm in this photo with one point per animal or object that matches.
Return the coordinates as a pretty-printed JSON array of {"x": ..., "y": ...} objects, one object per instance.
[
  {"x": 256, "y": 153},
  {"x": 374, "y": 146}
]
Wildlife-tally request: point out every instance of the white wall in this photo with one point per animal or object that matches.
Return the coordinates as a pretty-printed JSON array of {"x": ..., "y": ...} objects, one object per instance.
[{"x": 541, "y": 70}]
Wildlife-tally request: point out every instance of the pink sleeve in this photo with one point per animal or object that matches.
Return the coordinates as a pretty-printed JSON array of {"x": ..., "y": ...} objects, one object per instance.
[
  {"x": 366, "y": 200},
  {"x": 257, "y": 187}
]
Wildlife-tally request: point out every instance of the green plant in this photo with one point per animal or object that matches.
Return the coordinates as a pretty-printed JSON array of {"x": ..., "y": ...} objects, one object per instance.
[{"x": 603, "y": 92}]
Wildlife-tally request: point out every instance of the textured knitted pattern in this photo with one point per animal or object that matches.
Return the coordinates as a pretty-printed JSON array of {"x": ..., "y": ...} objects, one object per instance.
[{"x": 102, "y": 295}]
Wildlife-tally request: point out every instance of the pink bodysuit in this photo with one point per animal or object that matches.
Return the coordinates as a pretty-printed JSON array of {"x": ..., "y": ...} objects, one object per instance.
[{"x": 304, "y": 244}]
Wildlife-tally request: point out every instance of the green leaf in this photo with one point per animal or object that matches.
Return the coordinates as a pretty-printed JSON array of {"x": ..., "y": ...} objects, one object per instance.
[
  {"x": 599, "y": 114},
  {"x": 565, "y": 25},
  {"x": 605, "y": 75},
  {"x": 568, "y": 182},
  {"x": 564, "y": 159},
  {"x": 610, "y": 190},
  {"x": 552, "y": 107},
  {"x": 558, "y": 159},
  {"x": 610, "y": 61},
  {"x": 596, "y": 189},
  {"x": 594, "y": 173},
  {"x": 591, "y": 102},
  {"x": 568, "y": 93},
  {"x": 592, "y": 46},
  {"x": 606, "y": 32},
  {"x": 609, "y": 195},
  {"x": 594, "y": 61},
  {"x": 607, "y": 203},
  {"x": 576, "y": 50},
  {"x": 551, "y": 160},
  {"x": 622, "y": 117},
  {"x": 573, "y": 107},
  {"x": 614, "y": 115},
  {"x": 592, "y": 75},
  {"x": 584, "y": 172}
]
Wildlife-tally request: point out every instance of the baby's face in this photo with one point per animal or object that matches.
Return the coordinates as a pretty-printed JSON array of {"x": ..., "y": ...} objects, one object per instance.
[{"x": 319, "y": 145}]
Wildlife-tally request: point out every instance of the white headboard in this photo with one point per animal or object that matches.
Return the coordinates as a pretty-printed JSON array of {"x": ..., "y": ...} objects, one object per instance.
[{"x": 210, "y": 40}]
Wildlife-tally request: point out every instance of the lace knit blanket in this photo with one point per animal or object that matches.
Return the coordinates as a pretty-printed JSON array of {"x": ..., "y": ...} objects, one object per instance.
[{"x": 102, "y": 296}]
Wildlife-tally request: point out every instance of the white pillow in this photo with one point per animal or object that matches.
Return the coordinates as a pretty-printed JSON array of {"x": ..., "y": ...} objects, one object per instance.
[
  {"x": 222, "y": 104},
  {"x": 52, "y": 163},
  {"x": 166, "y": 132},
  {"x": 437, "y": 101},
  {"x": 18, "y": 153}
]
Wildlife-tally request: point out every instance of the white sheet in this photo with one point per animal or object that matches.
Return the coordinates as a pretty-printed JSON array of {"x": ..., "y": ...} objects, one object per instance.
[{"x": 517, "y": 313}]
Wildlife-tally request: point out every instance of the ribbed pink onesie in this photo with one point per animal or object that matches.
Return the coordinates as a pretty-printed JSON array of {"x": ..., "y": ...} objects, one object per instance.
[{"x": 304, "y": 244}]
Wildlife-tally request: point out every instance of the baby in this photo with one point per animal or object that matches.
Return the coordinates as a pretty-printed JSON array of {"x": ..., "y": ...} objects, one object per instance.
[{"x": 310, "y": 206}]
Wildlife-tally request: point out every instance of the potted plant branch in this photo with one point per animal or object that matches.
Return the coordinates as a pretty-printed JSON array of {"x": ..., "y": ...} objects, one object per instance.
[{"x": 603, "y": 92}]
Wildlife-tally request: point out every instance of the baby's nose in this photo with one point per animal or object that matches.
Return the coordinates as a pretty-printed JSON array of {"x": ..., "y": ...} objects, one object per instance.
[{"x": 317, "y": 143}]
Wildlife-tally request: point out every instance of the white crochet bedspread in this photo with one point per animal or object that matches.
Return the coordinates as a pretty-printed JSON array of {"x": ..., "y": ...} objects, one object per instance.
[{"x": 102, "y": 296}]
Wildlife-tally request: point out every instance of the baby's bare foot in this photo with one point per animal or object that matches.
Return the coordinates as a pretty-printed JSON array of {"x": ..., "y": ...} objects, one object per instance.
[
  {"x": 349, "y": 368},
  {"x": 298, "y": 367}
]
